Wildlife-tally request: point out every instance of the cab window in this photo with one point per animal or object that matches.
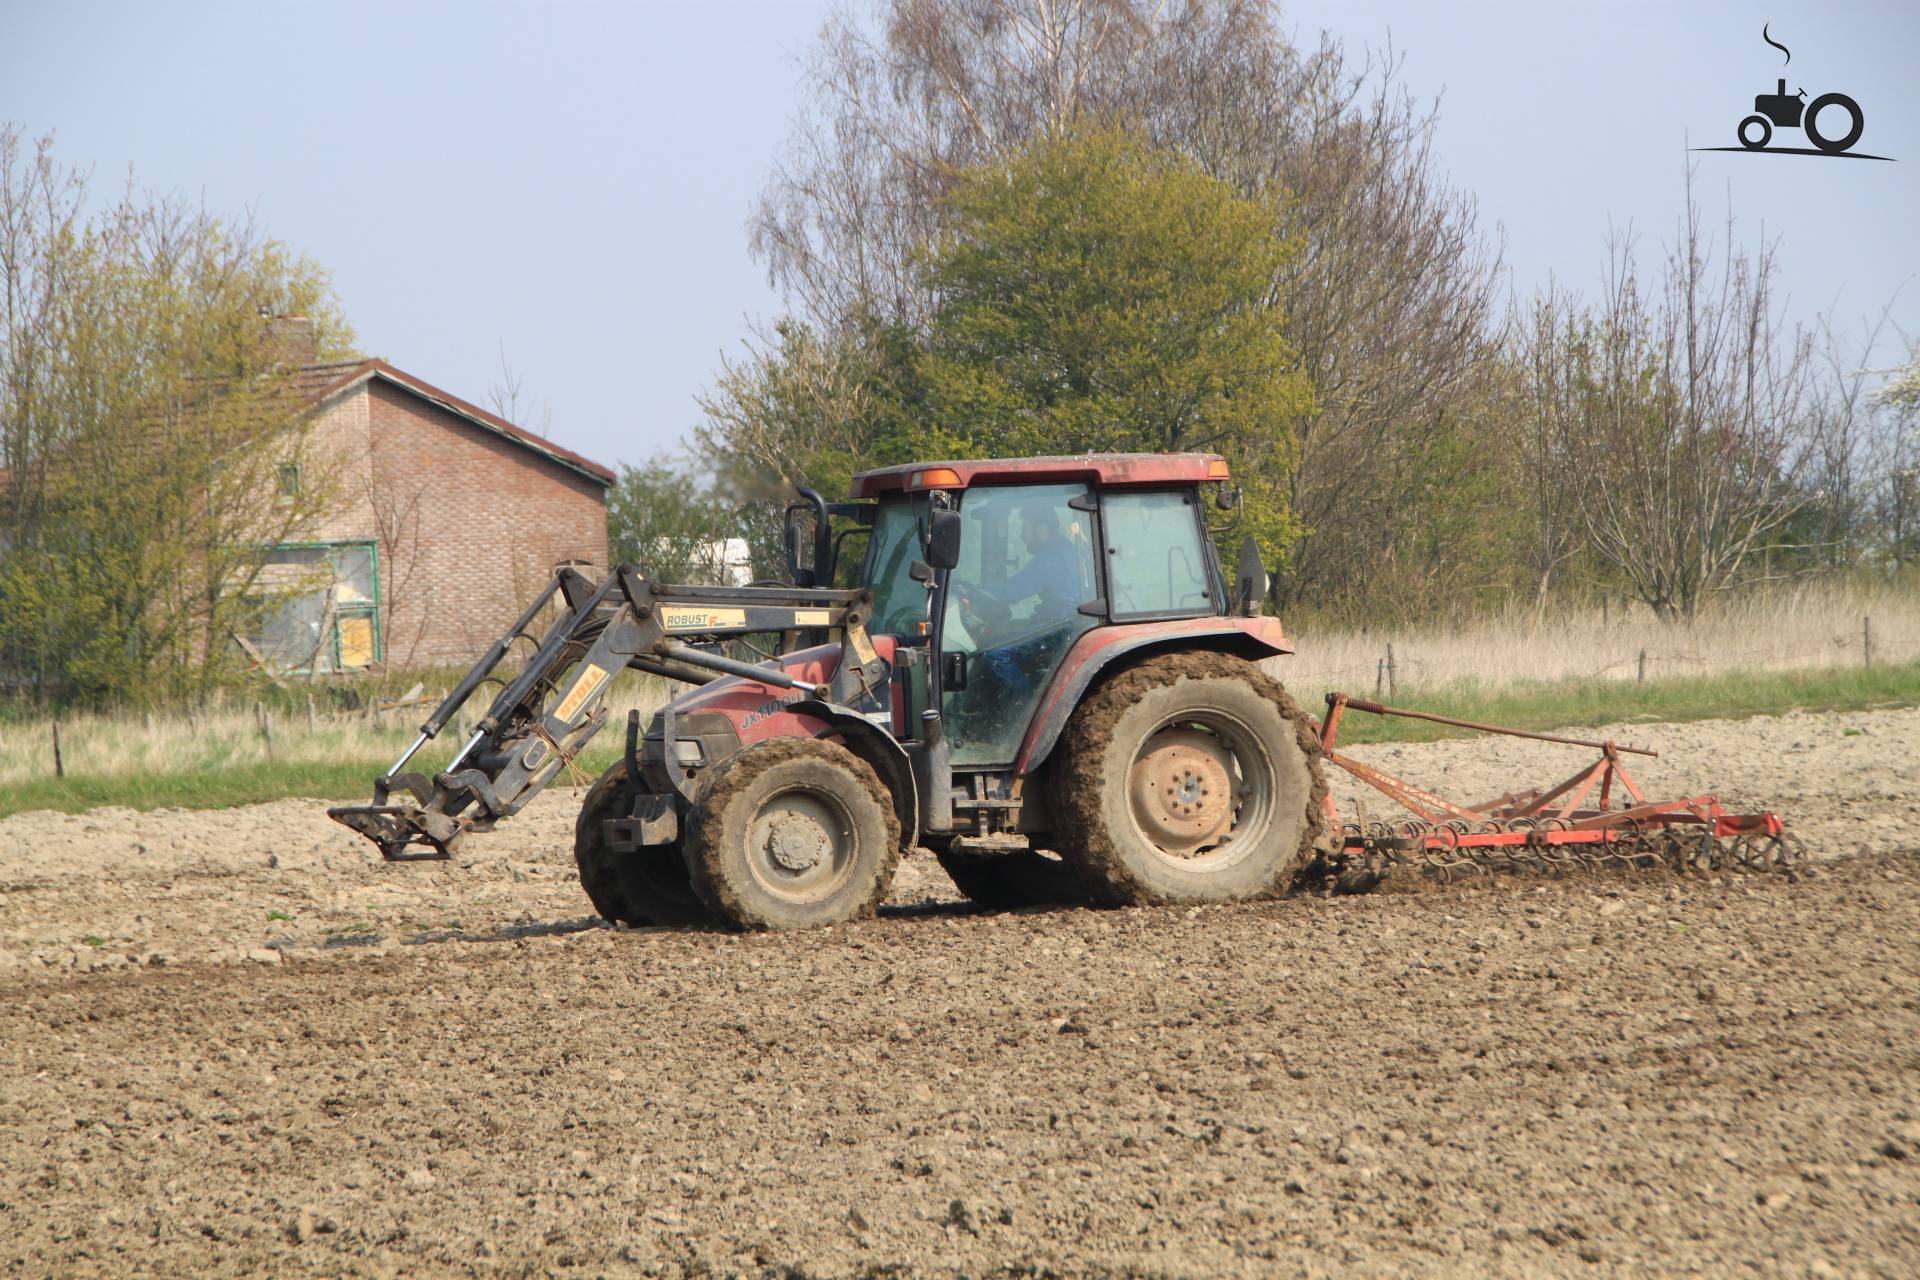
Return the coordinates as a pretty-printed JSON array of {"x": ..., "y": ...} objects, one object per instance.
[
  {"x": 899, "y": 603},
  {"x": 1156, "y": 564}
]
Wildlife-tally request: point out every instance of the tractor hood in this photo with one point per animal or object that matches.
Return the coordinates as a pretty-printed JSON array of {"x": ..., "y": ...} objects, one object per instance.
[{"x": 735, "y": 711}]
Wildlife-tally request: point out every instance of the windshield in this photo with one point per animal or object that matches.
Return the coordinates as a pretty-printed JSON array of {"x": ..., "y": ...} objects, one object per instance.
[{"x": 899, "y": 603}]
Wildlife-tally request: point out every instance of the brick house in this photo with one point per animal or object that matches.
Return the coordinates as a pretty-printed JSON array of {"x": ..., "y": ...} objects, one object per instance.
[{"x": 445, "y": 519}]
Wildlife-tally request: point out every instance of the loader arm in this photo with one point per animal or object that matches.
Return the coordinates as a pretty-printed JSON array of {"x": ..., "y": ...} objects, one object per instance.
[{"x": 548, "y": 711}]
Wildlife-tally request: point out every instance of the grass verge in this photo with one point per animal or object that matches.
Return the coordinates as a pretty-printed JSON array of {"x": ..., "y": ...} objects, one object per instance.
[
  {"x": 219, "y": 788},
  {"x": 1546, "y": 705},
  {"x": 1527, "y": 705}
]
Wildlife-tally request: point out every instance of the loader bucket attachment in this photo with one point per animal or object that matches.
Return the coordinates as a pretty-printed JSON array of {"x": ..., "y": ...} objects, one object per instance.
[
  {"x": 545, "y": 714},
  {"x": 395, "y": 829}
]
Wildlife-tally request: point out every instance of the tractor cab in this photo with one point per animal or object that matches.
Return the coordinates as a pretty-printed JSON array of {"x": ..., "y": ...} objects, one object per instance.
[{"x": 1036, "y": 554}]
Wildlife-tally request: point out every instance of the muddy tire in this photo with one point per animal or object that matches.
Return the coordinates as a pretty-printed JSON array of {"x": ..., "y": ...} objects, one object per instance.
[
  {"x": 1006, "y": 881},
  {"x": 791, "y": 834},
  {"x": 1189, "y": 778},
  {"x": 647, "y": 886}
]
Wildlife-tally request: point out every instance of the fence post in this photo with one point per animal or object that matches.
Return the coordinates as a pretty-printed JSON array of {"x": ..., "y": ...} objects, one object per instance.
[
  {"x": 59, "y": 765},
  {"x": 1606, "y": 611},
  {"x": 1392, "y": 690},
  {"x": 1642, "y": 677},
  {"x": 1866, "y": 641},
  {"x": 266, "y": 731},
  {"x": 1379, "y": 676},
  {"x": 310, "y": 717}
]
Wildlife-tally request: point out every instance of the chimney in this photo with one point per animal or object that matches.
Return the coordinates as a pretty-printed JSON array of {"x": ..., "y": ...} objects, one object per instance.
[{"x": 292, "y": 340}]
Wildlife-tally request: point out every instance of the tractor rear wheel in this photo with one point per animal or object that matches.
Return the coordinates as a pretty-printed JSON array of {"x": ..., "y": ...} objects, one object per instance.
[
  {"x": 1839, "y": 142},
  {"x": 1191, "y": 777},
  {"x": 790, "y": 834},
  {"x": 649, "y": 885},
  {"x": 1006, "y": 881}
]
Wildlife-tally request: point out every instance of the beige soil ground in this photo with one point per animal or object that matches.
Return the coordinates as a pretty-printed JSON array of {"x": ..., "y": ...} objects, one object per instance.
[{"x": 237, "y": 1043}]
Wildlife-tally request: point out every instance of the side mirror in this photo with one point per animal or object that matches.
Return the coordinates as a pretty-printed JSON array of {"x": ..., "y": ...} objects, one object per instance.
[
  {"x": 817, "y": 568},
  {"x": 800, "y": 574},
  {"x": 1226, "y": 499},
  {"x": 943, "y": 538},
  {"x": 1250, "y": 588}
]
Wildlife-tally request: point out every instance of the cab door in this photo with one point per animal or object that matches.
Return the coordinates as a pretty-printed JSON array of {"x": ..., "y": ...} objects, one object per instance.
[{"x": 1013, "y": 609}]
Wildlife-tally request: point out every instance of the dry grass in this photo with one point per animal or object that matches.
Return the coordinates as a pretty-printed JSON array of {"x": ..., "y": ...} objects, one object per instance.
[
  {"x": 1816, "y": 627},
  {"x": 1535, "y": 668},
  {"x": 125, "y": 746}
]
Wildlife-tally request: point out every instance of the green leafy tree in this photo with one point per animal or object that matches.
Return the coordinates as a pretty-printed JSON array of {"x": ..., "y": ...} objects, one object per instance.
[
  {"x": 810, "y": 408},
  {"x": 1391, "y": 302},
  {"x": 148, "y": 411},
  {"x": 1096, "y": 293},
  {"x": 663, "y": 519}
]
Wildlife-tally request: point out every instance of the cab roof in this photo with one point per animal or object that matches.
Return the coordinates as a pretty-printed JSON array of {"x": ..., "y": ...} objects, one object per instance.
[{"x": 1104, "y": 469}]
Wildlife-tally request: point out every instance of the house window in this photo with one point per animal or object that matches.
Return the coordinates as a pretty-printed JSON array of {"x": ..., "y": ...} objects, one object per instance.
[
  {"x": 287, "y": 483},
  {"x": 321, "y": 607}
]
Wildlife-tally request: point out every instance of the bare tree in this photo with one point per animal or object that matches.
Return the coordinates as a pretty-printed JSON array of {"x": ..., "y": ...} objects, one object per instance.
[
  {"x": 1855, "y": 447},
  {"x": 408, "y": 594},
  {"x": 509, "y": 399},
  {"x": 1897, "y": 504},
  {"x": 1695, "y": 440},
  {"x": 1550, "y": 348}
]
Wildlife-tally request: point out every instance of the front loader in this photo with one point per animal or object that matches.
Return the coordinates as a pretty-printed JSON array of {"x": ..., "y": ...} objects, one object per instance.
[{"x": 1036, "y": 654}]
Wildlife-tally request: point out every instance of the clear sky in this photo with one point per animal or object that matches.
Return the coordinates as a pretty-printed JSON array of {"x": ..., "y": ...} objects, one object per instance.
[{"x": 571, "y": 183}]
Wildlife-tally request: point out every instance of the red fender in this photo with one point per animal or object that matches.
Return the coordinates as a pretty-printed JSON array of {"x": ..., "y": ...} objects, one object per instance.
[{"x": 1098, "y": 650}]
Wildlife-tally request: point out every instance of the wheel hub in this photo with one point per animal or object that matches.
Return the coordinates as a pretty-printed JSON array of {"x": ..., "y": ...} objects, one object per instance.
[
  {"x": 797, "y": 843},
  {"x": 1182, "y": 790}
]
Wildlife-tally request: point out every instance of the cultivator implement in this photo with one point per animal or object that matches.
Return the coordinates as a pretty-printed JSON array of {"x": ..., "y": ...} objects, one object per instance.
[{"x": 1597, "y": 818}]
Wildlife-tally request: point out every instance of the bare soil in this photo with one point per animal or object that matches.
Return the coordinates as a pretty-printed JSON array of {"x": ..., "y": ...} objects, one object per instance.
[{"x": 237, "y": 1043}]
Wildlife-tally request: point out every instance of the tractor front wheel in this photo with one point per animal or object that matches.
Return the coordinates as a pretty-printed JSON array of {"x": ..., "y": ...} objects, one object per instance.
[
  {"x": 645, "y": 886},
  {"x": 790, "y": 834},
  {"x": 1189, "y": 778}
]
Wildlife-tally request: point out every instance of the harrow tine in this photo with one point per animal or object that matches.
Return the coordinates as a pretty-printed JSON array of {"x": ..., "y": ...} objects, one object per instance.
[{"x": 1544, "y": 828}]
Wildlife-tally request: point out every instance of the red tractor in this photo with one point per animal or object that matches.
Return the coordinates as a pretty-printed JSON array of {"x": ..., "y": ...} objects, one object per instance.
[{"x": 1038, "y": 654}]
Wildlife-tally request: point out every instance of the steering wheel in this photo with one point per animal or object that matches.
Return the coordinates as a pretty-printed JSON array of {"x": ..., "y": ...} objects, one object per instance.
[{"x": 980, "y": 609}]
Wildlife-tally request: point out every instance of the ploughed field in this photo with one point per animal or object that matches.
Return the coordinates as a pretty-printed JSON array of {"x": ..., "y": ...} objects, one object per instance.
[{"x": 235, "y": 1042}]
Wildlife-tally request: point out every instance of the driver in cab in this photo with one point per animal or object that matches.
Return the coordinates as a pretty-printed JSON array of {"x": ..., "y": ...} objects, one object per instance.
[{"x": 1051, "y": 573}]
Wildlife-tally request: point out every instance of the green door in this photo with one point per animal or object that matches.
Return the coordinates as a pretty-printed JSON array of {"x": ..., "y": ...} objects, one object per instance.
[{"x": 1013, "y": 610}]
